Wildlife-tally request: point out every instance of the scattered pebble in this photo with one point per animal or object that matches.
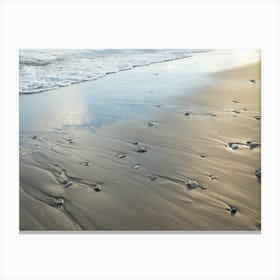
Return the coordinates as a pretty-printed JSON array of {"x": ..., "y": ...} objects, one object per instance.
[
  {"x": 235, "y": 101},
  {"x": 121, "y": 155},
  {"x": 192, "y": 185},
  {"x": 59, "y": 202},
  {"x": 136, "y": 166},
  {"x": 71, "y": 141},
  {"x": 213, "y": 177},
  {"x": 258, "y": 117},
  {"x": 187, "y": 113},
  {"x": 233, "y": 210},
  {"x": 142, "y": 150},
  {"x": 66, "y": 183},
  {"x": 135, "y": 143},
  {"x": 97, "y": 188},
  {"x": 34, "y": 137},
  {"x": 151, "y": 124},
  {"x": 252, "y": 81},
  {"x": 258, "y": 173},
  {"x": 236, "y": 111},
  {"x": 233, "y": 146},
  {"x": 85, "y": 163},
  {"x": 213, "y": 114},
  {"x": 153, "y": 178},
  {"x": 245, "y": 109},
  {"x": 202, "y": 155},
  {"x": 252, "y": 145}
]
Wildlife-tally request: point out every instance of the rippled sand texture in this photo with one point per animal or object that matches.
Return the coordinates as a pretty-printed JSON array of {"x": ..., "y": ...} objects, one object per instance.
[{"x": 139, "y": 176}]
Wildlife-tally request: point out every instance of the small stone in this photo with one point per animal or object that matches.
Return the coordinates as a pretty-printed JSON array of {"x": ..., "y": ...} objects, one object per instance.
[
  {"x": 187, "y": 113},
  {"x": 151, "y": 124},
  {"x": 232, "y": 210},
  {"x": 213, "y": 177},
  {"x": 135, "y": 143},
  {"x": 121, "y": 156},
  {"x": 252, "y": 81},
  {"x": 136, "y": 166},
  {"x": 258, "y": 173},
  {"x": 236, "y": 111},
  {"x": 202, "y": 155},
  {"x": 233, "y": 146},
  {"x": 192, "y": 185},
  {"x": 258, "y": 117},
  {"x": 213, "y": 114},
  {"x": 34, "y": 137},
  {"x": 59, "y": 202},
  {"x": 235, "y": 101},
  {"x": 66, "y": 183},
  {"x": 253, "y": 145},
  {"x": 97, "y": 188},
  {"x": 142, "y": 150},
  {"x": 153, "y": 178}
]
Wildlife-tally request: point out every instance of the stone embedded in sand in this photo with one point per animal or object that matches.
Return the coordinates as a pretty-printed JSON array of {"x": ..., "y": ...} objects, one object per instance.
[
  {"x": 136, "y": 166},
  {"x": 59, "y": 202},
  {"x": 252, "y": 145},
  {"x": 236, "y": 111},
  {"x": 97, "y": 188},
  {"x": 213, "y": 114},
  {"x": 258, "y": 173},
  {"x": 142, "y": 150},
  {"x": 66, "y": 184},
  {"x": 252, "y": 81},
  {"x": 233, "y": 146},
  {"x": 193, "y": 185},
  {"x": 235, "y": 101},
  {"x": 34, "y": 137},
  {"x": 121, "y": 155},
  {"x": 258, "y": 117},
  {"x": 202, "y": 155},
  {"x": 233, "y": 210},
  {"x": 153, "y": 178},
  {"x": 187, "y": 113},
  {"x": 135, "y": 143},
  {"x": 213, "y": 177},
  {"x": 150, "y": 124}
]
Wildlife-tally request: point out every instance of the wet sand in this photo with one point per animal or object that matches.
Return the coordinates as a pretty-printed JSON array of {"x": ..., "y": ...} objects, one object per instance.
[{"x": 177, "y": 171}]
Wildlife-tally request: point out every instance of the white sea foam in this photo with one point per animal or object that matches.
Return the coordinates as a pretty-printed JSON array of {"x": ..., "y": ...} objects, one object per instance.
[{"x": 41, "y": 70}]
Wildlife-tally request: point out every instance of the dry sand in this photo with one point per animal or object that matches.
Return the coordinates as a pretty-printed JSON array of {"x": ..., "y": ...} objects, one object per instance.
[{"x": 148, "y": 190}]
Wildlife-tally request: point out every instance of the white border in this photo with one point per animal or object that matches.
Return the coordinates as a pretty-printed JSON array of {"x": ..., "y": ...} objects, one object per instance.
[{"x": 157, "y": 24}]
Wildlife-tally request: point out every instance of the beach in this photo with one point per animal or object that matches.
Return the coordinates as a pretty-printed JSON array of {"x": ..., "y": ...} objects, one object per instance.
[{"x": 187, "y": 162}]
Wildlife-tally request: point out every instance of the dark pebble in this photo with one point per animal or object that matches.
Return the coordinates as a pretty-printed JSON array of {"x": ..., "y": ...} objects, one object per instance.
[
  {"x": 142, "y": 150},
  {"x": 258, "y": 173},
  {"x": 59, "y": 202},
  {"x": 97, "y": 188},
  {"x": 233, "y": 210}
]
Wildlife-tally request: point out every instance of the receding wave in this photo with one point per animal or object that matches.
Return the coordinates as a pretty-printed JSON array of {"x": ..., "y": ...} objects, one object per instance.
[{"x": 42, "y": 70}]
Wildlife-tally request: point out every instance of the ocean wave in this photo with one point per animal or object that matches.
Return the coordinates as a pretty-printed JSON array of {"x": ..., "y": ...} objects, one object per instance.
[{"x": 42, "y": 70}]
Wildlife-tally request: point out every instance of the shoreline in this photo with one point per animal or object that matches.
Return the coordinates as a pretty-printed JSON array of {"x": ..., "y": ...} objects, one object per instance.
[{"x": 148, "y": 190}]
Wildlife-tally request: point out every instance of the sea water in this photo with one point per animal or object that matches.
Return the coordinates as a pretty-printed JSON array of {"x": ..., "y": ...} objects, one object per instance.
[{"x": 45, "y": 69}]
